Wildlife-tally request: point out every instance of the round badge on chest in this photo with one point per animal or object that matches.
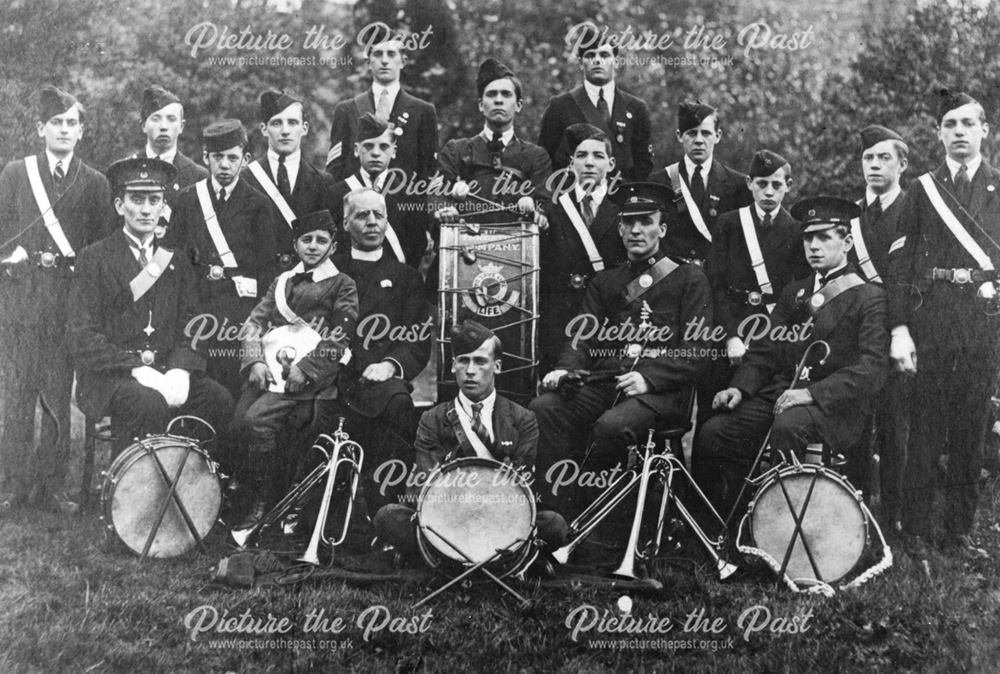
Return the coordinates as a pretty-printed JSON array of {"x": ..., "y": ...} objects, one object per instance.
[{"x": 645, "y": 280}]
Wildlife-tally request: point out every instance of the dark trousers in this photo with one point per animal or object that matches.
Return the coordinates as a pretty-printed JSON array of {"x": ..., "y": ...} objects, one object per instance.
[
  {"x": 137, "y": 411},
  {"x": 888, "y": 439},
  {"x": 727, "y": 444},
  {"x": 34, "y": 365},
  {"x": 564, "y": 425}
]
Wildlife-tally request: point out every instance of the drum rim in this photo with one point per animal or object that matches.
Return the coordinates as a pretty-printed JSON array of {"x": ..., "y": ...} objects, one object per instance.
[
  {"x": 437, "y": 560},
  {"x": 837, "y": 478}
]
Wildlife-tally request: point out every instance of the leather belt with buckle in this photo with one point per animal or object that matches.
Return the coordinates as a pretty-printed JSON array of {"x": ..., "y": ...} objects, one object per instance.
[
  {"x": 963, "y": 276},
  {"x": 48, "y": 260},
  {"x": 754, "y": 298},
  {"x": 147, "y": 356},
  {"x": 216, "y": 272}
]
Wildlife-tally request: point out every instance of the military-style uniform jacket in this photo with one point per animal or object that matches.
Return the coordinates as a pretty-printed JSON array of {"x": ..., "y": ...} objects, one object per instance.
[
  {"x": 521, "y": 164},
  {"x": 406, "y": 214},
  {"x": 731, "y": 273},
  {"x": 880, "y": 233},
  {"x": 392, "y": 325},
  {"x": 853, "y": 324},
  {"x": 38, "y": 295},
  {"x": 629, "y": 129},
  {"x": 676, "y": 355},
  {"x": 566, "y": 269},
  {"x": 329, "y": 306},
  {"x": 247, "y": 223},
  {"x": 416, "y": 136},
  {"x": 725, "y": 190},
  {"x": 108, "y": 331}
]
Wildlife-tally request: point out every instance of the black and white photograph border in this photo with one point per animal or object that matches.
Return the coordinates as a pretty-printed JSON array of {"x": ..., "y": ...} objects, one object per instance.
[{"x": 801, "y": 79}]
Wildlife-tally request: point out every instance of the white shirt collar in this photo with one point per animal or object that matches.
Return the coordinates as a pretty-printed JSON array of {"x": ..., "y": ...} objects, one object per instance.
[
  {"x": 136, "y": 243},
  {"x": 326, "y": 269},
  {"x": 598, "y": 193},
  {"x": 167, "y": 156},
  {"x": 53, "y": 159},
  {"x": 972, "y": 165},
  {"x": 215, "y": 186},
  {"x": 593, "y": 91},
  {"x": 505, "y": 137},
  {"x": 819, "y": 277},
  {"x": 393, "y": 90},
  {"x": 761, "y": 212},
  {"x": 292, "y": 162},
  {"x": 886, "y": 198},
  {"x": 706, "y": 168},
  {"x": 366, "y": 255}
]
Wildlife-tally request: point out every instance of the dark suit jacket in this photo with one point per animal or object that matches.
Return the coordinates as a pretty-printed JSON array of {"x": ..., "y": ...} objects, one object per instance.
[
  {"x": 392, "y": 325},
  {"x": 679, "y": 300},
  {"x": 730, "y": 272},
  {"x": 188, "y": 173},
  {"x": 409, "y": 221},
  {"x": 247, "y": 222},
  {"x": 562, "y": 257},
  {"x": 515, "y": 430},
  {"x": 726, "y": 190},
  {"x": 879, "y": 235},
  {"x": 630, "y": 130},
  {"x": 106, "y": 324},
  {"x": 415, "y": 145},
  {"x": 853, "y": 324},
  {"x": 945, "y": 318},
  {"x": 37, "y": 296}
]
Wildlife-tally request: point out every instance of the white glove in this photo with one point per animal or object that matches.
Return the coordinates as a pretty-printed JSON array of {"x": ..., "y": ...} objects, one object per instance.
[
  {"x": 460, "y": 190},
  {"x": 902, "y": 350},
  {"x": 552, "y": 379},
  {"x": 735, "y": 350},
  {"x": 148, "y": 377},
  {"x": 526, "y": 204},
  {"x": 177, "y": 385}
]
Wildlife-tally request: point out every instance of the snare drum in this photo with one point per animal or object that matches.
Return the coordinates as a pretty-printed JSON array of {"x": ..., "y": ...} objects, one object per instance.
[
  {"x": 134, "y": 491},
  {"x": 469, "y": 509},
  {"x": 834, "y": 524}
]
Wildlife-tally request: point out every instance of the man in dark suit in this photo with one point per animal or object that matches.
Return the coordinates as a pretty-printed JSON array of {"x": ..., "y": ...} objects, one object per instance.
[
  {"x": 601, "y": 102},
  {"x": 757, "y": 251},
  {"x": 226, "y": 229},
  {"x": 877, "y": 236},
  {"x": 406, "y": 227},
  {"x": 129, "y": 311},
  {"x": 582, "y": 238},
  {"x": 477, "y": 423},
  {"x": 828, "y": 405},
  {"x": 703, "y": 187},
  {"x": 51, "y": 206},
  {"x": 393, "y": 341},
  {"x": 162, "y": 115},
  {"x": 414, "y": 121},
  {"x": 946, "y": 313},
  {"x": 293, "y": 186},
  {"x": 636, "y": 324}
]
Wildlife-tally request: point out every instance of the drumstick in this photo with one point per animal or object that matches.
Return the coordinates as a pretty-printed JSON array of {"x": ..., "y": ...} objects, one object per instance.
[
  {"x": 172, "y": 486},
  {"x": 176, "y": 497},
  {"x": 797, "y": 531}
]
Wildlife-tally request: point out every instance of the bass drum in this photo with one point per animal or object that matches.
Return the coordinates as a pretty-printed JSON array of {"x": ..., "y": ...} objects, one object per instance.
[
  {"x": 470, "y": 509},
  {"x": 834, "y": 524},
  {"x": 134, "y": 491}
]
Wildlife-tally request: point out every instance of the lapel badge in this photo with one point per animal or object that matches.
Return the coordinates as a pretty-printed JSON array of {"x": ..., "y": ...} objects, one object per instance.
[
  {"x": 177, "y": 186},
  {"x": 628, "y": 115},
  {"x": 386, "y": 283},
  {"x": 506, "y": 443},
  {"x": 990, "y": 188},
  {"x": 620, "y": 138},
  {"x": 712, "y": 212},
  {"x": 645, "y": 280}
]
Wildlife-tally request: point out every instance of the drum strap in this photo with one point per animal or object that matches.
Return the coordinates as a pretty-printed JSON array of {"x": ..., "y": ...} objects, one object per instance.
[
  {"x": 822, "y": 297},
  {"x": 864, "y": 257},
  {"x": 970, "y": 245},
  {"x": 281, "y": 301},
  {"x": 756, "y": 256},
  {"x": 45, "y": 207},
  {"x": 145, "y": 279},
  {"x": 659, "y": 271},
  {"x": 466, "y": 439},
  {"x": 212, "y": 224},
  {"x": 581, "y": 229},
  {"x": 271, "y": 190},
  {"x": 697, "y": 219}
]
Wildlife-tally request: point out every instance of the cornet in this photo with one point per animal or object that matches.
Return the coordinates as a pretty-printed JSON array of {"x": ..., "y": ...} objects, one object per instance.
[{"x": 337, "y": 449}]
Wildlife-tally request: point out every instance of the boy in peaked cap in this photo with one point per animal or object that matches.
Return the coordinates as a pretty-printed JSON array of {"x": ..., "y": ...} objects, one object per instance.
[
  {"x": 703, "y": 187},
  {"x": 313, "y": 309},
  {"x": 51, "y": 206},
  {"x": 943, "y": 310}
]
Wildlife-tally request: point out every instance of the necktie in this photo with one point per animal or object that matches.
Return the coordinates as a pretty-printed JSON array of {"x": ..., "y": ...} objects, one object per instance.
[
  {"x": 963, "y": 185},
  {"x": 478, "y": 427},
  {"x": 382, "y": 105},
  {"x": 495, "y": 145},
  {"x": 58, "y": 174},
  {"x": 697, "y": 186},
  {"x": 767, "y": 221},
  {"x": 602, "y": 107},
  {"x": 587, "y": 210},
  {"x": 141, "y": 250},
  {"x": 301, "y": 277},
  {"x": 284, "y": 186},
  {"x": 875, "y": 209}
]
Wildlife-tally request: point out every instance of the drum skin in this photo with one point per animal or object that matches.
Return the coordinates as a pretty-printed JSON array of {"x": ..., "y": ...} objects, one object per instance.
[
  {"x": 833, "y": 525},
  {"x": 480, "y": 506},
  {"x": 134, "y": 490}
]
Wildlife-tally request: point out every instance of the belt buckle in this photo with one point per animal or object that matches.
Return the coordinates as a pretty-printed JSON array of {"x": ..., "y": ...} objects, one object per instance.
[
  {"x": 148, "y": 356},
  {"x": 961, "y": 276},
  {"x": 577, "y": 281},
  {"x": 754, "y": 298},
  {"x": 47, "y": 260},
  {"x": 215, "y": 272}
]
